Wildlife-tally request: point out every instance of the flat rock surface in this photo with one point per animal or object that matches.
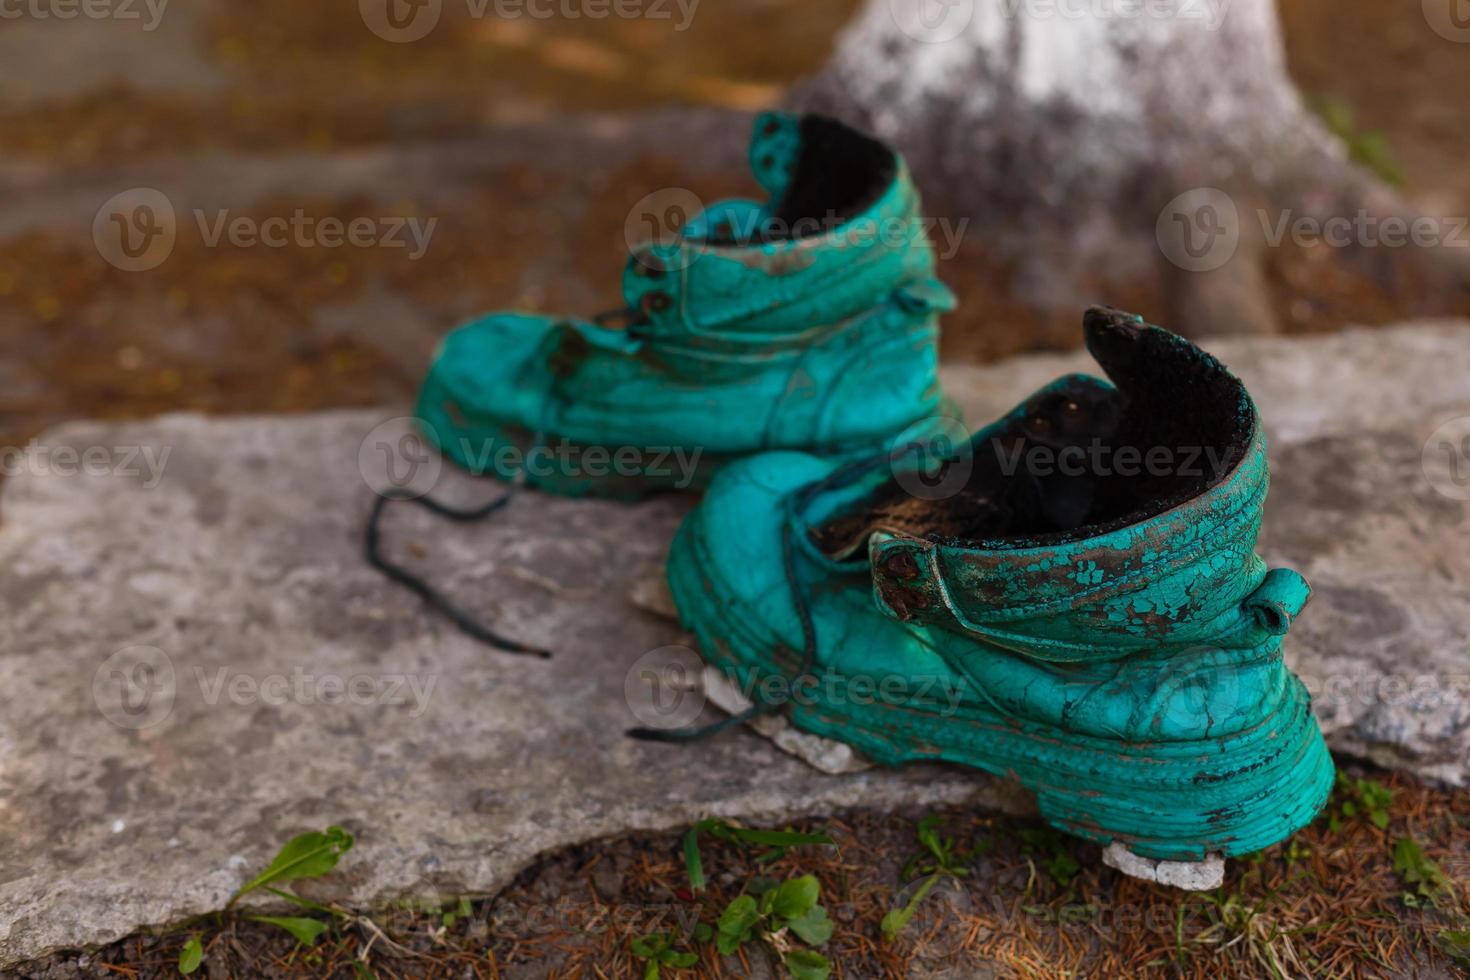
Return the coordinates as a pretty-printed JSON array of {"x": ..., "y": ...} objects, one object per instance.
[{"x": 199, "y": 663}]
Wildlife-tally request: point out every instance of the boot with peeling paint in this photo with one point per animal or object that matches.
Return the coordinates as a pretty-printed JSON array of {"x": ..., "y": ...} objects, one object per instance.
[
  {"x": 805, "y": 322},
  {"x": 1073, "y": 600}
]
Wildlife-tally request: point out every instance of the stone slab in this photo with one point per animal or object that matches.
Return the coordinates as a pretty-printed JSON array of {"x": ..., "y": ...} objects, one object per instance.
[
  {"x": 169, "y": 642},
  {"x": 172, "y": 628}
]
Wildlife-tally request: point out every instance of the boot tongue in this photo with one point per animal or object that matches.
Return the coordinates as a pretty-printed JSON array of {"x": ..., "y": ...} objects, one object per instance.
[
  {"x": 1184, "y": 417},
  {"x": 1080, "y": 457}
]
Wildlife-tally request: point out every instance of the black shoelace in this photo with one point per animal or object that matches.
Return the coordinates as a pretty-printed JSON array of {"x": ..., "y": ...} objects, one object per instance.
[
  {"x": 433, "y": 597},
  {"x": 633, "y": 321}
]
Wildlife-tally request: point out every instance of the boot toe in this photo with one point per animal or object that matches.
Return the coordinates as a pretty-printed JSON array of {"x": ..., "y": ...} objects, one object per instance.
[
  {"x": 485, "y": 363},
  {"x": 738, "y": 531},
  {"x": 487, "y": 382}
]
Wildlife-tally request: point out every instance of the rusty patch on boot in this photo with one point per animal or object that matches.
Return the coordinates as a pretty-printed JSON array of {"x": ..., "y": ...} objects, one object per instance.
[
  {"x": 905, "y": 602},
  {"x": 895, "y": 512},
  {"x": 571, "y": 350},
  {"x": 782, "y": 262}
]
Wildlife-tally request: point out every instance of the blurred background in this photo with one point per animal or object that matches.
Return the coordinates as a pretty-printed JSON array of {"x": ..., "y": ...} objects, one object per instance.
[{"x": 525, "y": 140}]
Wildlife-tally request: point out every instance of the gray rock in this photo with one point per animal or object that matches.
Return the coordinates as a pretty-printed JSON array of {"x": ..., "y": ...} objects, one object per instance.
[
  {"x": 822, "y": 754},
  {"x": 200, "y": 664},
  {"x": 1191, "y": 876}
]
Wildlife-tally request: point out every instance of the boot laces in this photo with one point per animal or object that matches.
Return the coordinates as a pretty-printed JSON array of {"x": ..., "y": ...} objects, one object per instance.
[{"x": 432, "y": 597}]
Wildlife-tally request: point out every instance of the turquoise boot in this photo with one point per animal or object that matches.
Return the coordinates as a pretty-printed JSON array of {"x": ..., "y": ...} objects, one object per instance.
[
  {"x": 1075, "y": 601},
  {"x": 806, "y": 322}
]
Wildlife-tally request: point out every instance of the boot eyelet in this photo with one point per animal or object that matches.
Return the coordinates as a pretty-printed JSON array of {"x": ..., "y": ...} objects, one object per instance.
[{"x": 655, "y": 302}]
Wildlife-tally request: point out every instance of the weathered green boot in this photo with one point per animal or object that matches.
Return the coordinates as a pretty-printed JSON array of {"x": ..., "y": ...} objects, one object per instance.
[
  {"x": 1075, "y": 602},
  {"x": 805, "y": 322}
]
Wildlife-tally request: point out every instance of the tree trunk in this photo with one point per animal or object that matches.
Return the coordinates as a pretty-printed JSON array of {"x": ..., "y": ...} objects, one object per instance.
[{"x": 1116, "y": 150}]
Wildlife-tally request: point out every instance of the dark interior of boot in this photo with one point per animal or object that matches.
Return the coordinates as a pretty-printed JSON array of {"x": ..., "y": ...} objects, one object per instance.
[
  {"x": 838, "y": 173},
  {"x": 1081, "y": 459}
]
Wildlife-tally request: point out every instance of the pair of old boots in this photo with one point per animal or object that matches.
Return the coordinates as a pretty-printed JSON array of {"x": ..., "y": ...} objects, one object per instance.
[{"x": 1071, "y": 596}]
